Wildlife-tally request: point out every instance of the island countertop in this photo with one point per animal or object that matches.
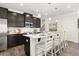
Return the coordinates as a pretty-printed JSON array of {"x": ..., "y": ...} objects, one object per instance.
[
  {"x": 35, "y": 35},
  {"x": 40, "y": 35},
  {"x": 36, "y": 39}
]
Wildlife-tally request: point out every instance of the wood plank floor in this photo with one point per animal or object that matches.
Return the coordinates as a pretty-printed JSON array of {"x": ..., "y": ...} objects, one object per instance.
[
  {"x": 71, "y": 50},
  {"x": 15, "y": 51}
]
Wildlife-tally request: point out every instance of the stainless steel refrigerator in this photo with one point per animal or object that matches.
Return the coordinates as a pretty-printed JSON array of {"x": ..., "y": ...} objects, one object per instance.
[{"x": 3, "y": 34}]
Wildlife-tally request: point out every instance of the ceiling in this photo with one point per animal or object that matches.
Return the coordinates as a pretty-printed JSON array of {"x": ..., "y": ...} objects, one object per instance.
[{"x": 45, "y": 9}]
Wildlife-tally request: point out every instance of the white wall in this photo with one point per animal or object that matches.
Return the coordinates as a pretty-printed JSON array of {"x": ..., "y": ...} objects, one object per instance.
[{"x": 68, "y": 23}]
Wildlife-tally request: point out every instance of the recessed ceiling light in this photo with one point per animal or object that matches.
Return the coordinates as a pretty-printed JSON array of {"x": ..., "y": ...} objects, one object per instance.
[
  {"x": 39, "y": 15},
  {"x": 37, "y": 10},
  {"x": 69, "y": 6},
  {"x": 50, "y": 18},
  {"x": 21, "y": 4},
  {"x": 56, "y": 21}
]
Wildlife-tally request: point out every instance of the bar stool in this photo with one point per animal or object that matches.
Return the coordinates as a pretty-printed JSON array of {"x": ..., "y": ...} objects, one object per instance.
[
  {"x": 56, "y": 40},
  {"x": 45, "y": 47},
  {"x": 49, "y": 46},
  {"x": 40, "y": 47}
]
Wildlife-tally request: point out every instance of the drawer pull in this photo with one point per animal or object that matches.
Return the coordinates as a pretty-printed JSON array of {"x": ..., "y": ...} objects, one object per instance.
[
  {"x": 39, "y": 39},
  {"x": 26, "y": 40},
  {"x": 50, "y": 36}
]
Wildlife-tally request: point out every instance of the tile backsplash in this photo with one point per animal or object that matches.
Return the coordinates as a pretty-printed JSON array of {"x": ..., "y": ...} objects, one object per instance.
[{"x": 22, "y": 29}]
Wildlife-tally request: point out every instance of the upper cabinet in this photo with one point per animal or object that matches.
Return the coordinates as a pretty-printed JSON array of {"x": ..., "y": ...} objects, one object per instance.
[
  {"x": 28, "y": 17},
  {"x": 34, "y": 20},
  {"x": 15, "y": 19},
  {"x": 20, "y": 20},
  {"x": 3, "y": 13},
  {"x": 38, "y": 22}
]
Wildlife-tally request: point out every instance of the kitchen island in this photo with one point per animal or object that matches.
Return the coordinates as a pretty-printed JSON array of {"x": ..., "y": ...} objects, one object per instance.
[
  {"x": 32, "y": 40},
  {"x": 37, "y": 41}
]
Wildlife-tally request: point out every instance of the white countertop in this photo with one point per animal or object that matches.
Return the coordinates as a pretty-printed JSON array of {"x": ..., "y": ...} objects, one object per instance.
[
  {"x": 14, "y": 33},
  {"x": 40, "y": 35},
  {"x": 35, "y": 35}
]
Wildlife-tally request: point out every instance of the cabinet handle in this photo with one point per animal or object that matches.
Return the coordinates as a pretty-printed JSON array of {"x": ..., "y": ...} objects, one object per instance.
[
  {"x": 26, "y": 40},
  {"x": 39, "y": 39}
]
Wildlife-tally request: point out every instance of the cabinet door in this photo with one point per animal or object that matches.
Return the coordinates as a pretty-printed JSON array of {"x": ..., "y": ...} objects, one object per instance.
[
  {"x": 38, "y": 23},
  {"x": 3, "y": 13},
  {"x": 29, "y": 19},
  {"x": 10, "y": 41},
  {"x": 14, "y": 40},
  {"x": 20, "y": 20},
  {"x": 19, "y": 39},
  {"x": 34, "y": 23},
  {"x": 12, "y": 17},
  {"x": 15, "y": 19}
]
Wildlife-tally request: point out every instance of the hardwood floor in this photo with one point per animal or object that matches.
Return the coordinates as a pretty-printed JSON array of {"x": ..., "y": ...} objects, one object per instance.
[
  {"x": 71, "y": 50},
  {"x": 15, "y": 51}
]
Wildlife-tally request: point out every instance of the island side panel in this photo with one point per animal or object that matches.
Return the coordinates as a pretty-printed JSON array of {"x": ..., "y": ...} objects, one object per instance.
[{"x": 32, "y": 46}]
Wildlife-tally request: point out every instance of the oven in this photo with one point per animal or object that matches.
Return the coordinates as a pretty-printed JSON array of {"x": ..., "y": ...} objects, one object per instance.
[{"x": 28, "y": 24}]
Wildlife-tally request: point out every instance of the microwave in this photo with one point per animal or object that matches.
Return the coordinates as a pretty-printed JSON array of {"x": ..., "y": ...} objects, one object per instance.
[{"x": 28, "y": 24}]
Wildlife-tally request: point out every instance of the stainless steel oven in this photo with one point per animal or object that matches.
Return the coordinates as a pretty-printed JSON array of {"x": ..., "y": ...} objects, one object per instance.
[{"x": 28, "y": 24}]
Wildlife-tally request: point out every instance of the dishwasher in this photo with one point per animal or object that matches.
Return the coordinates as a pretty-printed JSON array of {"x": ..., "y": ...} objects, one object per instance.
[{"x": 27, "y": 45}]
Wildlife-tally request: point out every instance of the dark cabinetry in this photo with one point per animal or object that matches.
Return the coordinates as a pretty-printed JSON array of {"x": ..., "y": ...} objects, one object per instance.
[
  {"x": 15, "y": 19},
  {"x": 10, "y": 41},
  {"x": 14, "y": 40},
  {"x": 12, "y": 17},
  {"x": 38, "y": 22},
  {"x": 28, "y": 18},
  {"x": 20, "y": 20},
  {"x": 35, "y": 21},
  {"x": 3, "y": 13}
]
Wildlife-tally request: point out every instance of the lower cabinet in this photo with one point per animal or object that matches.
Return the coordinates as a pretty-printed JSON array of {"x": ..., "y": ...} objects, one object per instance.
[
  {"x": 14, "y": 40},
  {"x": 10, "y": 41},
  {"x": 15, "y": 19}
]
